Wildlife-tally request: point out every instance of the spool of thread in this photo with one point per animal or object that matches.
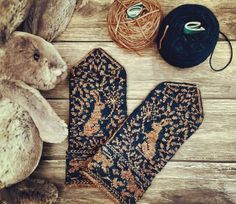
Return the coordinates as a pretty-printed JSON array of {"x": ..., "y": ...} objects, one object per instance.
[
  {"x": 188, "y": 35},
  {"x": 133, "y": 24}
]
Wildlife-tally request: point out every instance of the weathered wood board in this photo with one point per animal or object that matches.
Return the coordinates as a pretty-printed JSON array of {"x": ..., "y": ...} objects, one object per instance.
[
  {"x": 89, "y": 23},
  {"x": 145, "y": 71},
  {"x": 204, "y": 169},
  {"x": 214, "y": 141},
  {"x": 209, "y": 182}
]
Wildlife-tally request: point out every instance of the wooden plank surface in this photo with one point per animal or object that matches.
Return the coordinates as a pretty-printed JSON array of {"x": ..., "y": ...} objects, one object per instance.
[
  {"x": 193, "y": 182},
  {"x": 214, "y": 141},
  {"x": 145, "y": 71},
  {"x": 204, "y": 169},
  {"x": 89, "y": 23}
]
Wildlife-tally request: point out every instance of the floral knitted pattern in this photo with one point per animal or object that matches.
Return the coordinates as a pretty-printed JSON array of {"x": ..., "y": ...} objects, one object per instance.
[
  {"x": 126, "y": 165},
  {"x": 97, "y": 109}
]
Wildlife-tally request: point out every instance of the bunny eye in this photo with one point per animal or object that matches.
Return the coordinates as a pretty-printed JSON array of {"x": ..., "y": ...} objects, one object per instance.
[{"x": 36, "y": 55}]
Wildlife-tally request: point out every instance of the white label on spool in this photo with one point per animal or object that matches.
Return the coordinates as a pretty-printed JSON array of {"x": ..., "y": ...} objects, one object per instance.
[
  {"x": 193, "y": 27},
  {"x": 135, "y": 10}
]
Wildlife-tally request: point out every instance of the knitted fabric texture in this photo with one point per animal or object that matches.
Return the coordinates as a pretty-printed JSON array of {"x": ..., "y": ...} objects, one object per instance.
[
  {"x": 126, "y": 165},
  {"x": 97, "y": 109}
]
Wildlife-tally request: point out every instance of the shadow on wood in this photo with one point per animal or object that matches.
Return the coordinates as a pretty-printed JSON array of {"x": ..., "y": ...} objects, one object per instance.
[
  {"x": 30, "y": 191},
  {"x": 194, "y": 196}
]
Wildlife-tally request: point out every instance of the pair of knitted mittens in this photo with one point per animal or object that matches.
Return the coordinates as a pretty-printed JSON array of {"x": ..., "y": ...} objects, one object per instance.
[{"x": 121, "y": 154}]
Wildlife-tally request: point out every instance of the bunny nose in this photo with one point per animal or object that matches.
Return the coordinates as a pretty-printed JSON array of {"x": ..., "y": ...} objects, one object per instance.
[
  {"x": 64, "y": 68},
  {"x": 57, "y": 72}
]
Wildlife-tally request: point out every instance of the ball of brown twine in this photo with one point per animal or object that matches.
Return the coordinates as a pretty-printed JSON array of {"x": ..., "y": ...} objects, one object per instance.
[{"x": 134, "y": 34}]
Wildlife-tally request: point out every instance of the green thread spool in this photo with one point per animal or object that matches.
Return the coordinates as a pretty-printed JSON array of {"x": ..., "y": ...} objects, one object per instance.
[
  {"x": 135, "y": 11},
  {"x": 193, "y": 27}
]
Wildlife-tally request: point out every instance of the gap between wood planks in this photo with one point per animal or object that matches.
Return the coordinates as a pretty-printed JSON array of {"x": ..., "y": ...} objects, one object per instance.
[
  {"x": 178, "y": 179},
  {"x": 210, "y": 143},
  {"x": 146, "y": 71}
]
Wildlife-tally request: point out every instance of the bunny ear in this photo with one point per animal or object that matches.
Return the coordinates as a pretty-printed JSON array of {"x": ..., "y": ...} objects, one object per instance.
[
  {"x": 48, "y": 19},
  {"x": 15, "y": 13},
  {"x": 4, "y": 35},
  {"x": 51, "y": 128}
]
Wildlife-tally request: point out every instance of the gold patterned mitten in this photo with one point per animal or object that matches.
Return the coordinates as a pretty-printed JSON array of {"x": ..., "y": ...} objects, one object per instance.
[
  {"x": 126, "y": 165},
  {"x": 97, "y": 109}
]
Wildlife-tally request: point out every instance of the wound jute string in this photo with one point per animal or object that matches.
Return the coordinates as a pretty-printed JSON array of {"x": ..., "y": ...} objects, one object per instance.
[{"x": 133, "y": 24}]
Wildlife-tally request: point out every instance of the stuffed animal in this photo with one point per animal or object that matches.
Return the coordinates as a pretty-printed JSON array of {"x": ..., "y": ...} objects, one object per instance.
[
  {"x": 13, "y": 13},
  {"x": 44, "y": 18},
  {"x": 26, "y": 118},
  {"x": 30, "y": 191},
  {"x": 49, "y": 18},
  {"x": 33, "y": 60},
  {"x": 27, "y": 63},
  {"x": 20, "y": 146}
]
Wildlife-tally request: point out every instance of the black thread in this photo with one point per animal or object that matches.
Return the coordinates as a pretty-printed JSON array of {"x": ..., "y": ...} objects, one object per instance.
[{"x": 231, "y": 55}]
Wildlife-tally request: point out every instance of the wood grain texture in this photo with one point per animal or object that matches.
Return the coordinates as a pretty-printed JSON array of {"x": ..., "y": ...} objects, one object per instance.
[
  {"x": 146, "y": 70},
  {"x": 214, "y": 141},
  {"x": 208, "y": 182},
  {"x": 89, "y": 23},
  {"x": 204, "y": 169}
]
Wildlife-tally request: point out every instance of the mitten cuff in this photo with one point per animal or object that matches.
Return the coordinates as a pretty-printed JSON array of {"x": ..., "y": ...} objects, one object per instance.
[
  {"x": 97, "y": 108},
  {"x": 115, "y": 175},
  {"x": 125, "y": 167}
]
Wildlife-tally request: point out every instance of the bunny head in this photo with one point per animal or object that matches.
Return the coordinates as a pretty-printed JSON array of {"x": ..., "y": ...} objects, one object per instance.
[{"x": 31, "y": 59}]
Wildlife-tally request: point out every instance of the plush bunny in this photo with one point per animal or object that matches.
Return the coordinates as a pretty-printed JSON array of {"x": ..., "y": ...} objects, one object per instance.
[
  {"x": 33, "y": 60},
  {"x": 30, "y": 191},
  {"x": 26, "y": 118},
  {"x": 47, "y": 19},
  {"x": 13, "y": 13},
  {"x": 28, "y": 63}
]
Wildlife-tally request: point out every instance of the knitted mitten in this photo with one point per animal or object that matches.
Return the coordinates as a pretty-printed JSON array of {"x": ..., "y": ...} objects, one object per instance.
[
  {"x": 126, "y": 165},
  {"x": 97, "y": 109}
]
